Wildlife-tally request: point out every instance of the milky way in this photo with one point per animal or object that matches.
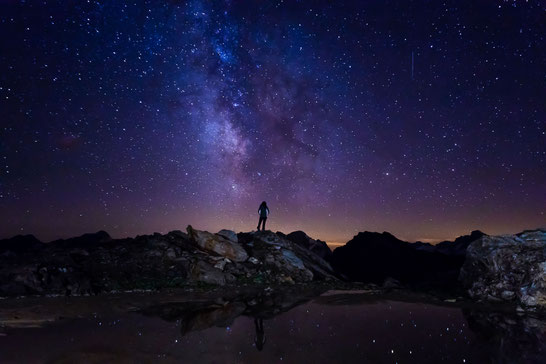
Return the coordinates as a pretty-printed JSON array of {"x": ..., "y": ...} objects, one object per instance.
[{"x": 425, "y": 119}]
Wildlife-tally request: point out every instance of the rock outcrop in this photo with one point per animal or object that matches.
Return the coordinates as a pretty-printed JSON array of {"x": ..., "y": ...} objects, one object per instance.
[
  {"x": 224, "y": 243},
  {"x": 319, "y": 247},
  {"x": 508, "y": 268},
  {"x": 284, "y": 259},
  {"x": 95, "y": 263}
]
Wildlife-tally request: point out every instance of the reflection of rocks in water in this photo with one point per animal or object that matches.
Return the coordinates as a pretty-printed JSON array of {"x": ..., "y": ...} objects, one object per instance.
[
  {"x": 269, "y": 304},
  {"x": 222, "y": 316},
  {"x": 221, "y": 312},
  {"x": 196, "y": 316},
  {"x": 511, "y": 338}
]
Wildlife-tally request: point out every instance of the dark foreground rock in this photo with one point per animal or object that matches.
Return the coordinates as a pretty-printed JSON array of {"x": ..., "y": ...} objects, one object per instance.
[
  {"x": 95, "y": 263},
  {"x": 382, "y": 258},
  {"x": 509, "y": 268}
]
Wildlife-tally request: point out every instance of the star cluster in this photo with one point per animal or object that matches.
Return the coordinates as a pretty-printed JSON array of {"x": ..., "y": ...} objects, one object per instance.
[{"x": 425, "y": 119}]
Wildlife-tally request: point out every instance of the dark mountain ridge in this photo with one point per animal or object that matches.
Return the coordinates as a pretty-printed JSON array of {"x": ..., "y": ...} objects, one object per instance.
[
  {"x": 22, "y": 243},
  {"x": 374, "y": 257},
  {"x": 19, "y": 244}
]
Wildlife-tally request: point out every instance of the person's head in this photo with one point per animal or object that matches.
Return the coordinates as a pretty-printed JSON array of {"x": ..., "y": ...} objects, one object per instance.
[{"x": 263, "y": 203}]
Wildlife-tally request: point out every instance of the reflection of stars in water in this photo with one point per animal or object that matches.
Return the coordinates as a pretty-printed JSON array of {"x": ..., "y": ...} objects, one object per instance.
[{"x": 365, "y": 333}]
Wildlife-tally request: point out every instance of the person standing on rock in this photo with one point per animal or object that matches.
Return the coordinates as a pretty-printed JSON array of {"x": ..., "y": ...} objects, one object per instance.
[{"x": 263, "y": 211}]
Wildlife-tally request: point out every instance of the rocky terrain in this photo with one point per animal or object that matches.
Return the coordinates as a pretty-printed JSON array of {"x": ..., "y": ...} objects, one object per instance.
[
  {"x": 508, "y": 269},
  {"x": 95, "y": 263}
]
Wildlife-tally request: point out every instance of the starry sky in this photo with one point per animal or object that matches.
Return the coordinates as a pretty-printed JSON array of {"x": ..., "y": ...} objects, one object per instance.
[{"x": 423, "y": 118}]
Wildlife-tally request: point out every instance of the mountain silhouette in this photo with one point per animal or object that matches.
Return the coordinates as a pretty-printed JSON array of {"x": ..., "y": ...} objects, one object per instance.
[{"x": 374, "y": 257}]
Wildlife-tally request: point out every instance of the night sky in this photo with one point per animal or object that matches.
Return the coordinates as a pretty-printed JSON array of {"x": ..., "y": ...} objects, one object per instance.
[{"x": 423, "y": 118}]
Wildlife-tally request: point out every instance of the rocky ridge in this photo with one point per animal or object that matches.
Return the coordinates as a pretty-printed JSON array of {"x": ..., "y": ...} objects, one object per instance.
[
  {"x": 95, "y": 263},
  {"x": 509, "y": 269}
]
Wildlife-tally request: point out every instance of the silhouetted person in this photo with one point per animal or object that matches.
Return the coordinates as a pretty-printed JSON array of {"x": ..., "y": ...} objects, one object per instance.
[
  {"x": 263, "y": 211},
  {"x": 260, "y": 334}
]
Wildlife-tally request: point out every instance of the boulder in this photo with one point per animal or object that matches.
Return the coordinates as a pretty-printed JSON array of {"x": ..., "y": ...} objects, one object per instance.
[
  {"x": 285, "y": 258},
  {"x": 291, "y": 265},
  {"x": 218, "y": 244},
  {"x": 318, "y": 247},
  {"x": 508, "y": 268},
  {"x": 228, "y": 234},
  {"x": 204, "y": 272}
]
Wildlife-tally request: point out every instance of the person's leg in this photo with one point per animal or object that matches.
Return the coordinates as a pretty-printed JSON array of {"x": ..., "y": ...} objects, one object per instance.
[
  {"x": 263, "y": 226},
  {"x": 259, "y": 223}
]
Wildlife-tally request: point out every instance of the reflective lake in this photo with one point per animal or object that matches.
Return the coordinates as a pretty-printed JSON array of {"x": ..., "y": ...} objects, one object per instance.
[{"x": 336, "y": 327}]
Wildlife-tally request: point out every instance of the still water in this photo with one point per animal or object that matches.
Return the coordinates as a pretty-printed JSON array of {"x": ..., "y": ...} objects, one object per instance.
[{"x": 332, "y": 328}]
